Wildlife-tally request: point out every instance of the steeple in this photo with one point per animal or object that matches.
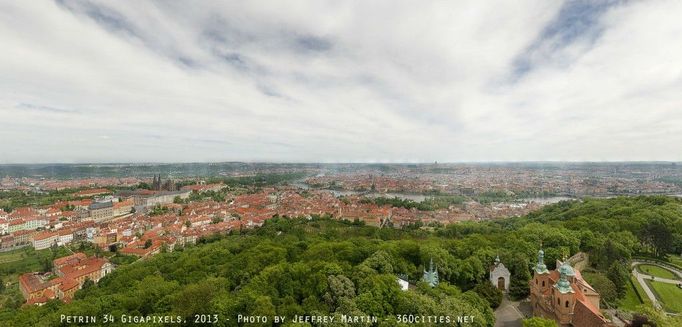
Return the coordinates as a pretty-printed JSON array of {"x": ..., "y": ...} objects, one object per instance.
[
  {"x": 497, "y": 260},
  {"x": 563, "y": 285},
  {"x": 541, "y": 268},
  {"x": 431, "y": 276}
]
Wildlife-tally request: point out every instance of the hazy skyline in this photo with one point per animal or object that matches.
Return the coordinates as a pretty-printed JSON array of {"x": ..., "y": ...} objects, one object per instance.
[{"x": 329, "y": 81}]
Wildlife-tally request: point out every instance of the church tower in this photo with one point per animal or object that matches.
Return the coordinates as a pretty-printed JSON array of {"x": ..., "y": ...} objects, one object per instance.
[
  {"x": 563, "y": 293},
  {"x": 539, "y": 284}
]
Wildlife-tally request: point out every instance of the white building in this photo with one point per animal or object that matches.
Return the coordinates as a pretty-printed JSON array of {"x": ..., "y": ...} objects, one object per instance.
[
  {"x": 65, "y": 237},
  {"x": 45, "y": 240},
  {"x": 404, "y": 284},
  {"x": 34, "y": 223},
  {"x": 499, "y": 275},
  {"x": 4, "y": 226}
]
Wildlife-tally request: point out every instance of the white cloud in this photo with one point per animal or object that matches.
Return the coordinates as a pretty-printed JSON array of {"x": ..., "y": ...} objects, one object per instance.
[{"x": 337, "y": 81}]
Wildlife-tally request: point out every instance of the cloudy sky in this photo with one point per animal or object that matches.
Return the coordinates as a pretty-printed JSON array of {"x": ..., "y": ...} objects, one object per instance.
[{"x": 340, "y": 81}]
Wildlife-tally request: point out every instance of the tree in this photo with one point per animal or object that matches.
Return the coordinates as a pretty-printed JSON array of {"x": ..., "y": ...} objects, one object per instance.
[
  {"x": 147, "y": 243},
  {"x": 87, "y": 284},
  {"x": 144, "y": 185},
  {"x": 338, "y": 287},
  {"x": 620, "y": 276},
  {"x": 539, "y": 322},
  {"x": 604, "y": 286},
  {"x": 46, "y": 264},
  {"x": 657, "y": 232},
  {"x": 489, "y": 293},
  {"x": 98, "y": 251},
  {"x": 520, "y": 276}
]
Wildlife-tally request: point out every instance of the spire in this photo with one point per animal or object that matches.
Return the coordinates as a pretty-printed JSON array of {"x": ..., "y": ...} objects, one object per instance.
[
  {"x": 497, "y": 260},
  {"x": 541, "y": 268},
  {"x": 563, "y": 285},
  {"x": 431, "y": 276}
]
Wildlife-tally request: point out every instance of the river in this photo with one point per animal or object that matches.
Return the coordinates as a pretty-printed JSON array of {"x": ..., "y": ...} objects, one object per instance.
[{"x": 420, "y": 198}]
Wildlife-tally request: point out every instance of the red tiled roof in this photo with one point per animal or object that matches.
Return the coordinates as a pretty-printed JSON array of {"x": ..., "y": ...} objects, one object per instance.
[
  {"x": 74, "y": 258},
  {"x": 44, "y": 235}
]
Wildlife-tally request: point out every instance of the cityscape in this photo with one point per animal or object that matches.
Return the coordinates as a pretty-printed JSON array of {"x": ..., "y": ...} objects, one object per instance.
[
  {"x": 78, "y": 231},
  {"x": 341, "y": 163}
]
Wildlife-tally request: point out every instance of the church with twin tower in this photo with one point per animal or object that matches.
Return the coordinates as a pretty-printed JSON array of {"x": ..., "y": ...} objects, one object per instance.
[{"x": 564, "y": 296}]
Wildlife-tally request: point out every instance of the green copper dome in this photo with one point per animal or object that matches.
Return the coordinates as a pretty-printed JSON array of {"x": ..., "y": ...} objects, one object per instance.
[
  {"x": 541, "y": 268},
  {"x": 563, "y": 285},
  {"x": 566, "y": 269}
]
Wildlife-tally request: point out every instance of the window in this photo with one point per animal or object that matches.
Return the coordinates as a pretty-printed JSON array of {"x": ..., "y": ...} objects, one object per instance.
[
  {"x": 536, "y": 281},
  {"x": 567, "y": 304},
  {"x": 543, "y": 283},
  {"x": 558, "y": 301}
]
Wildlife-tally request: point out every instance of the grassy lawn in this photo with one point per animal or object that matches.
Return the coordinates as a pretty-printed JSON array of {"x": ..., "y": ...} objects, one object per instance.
[
  {"x": 630, "y": 301},
  {"x": 675, "y": 259},
  {"x": 6, "y": 257},
  {"x": 27, "y": 259},
  {"x": 656, "y": 271},
  {"x": 669, "y": 295}
]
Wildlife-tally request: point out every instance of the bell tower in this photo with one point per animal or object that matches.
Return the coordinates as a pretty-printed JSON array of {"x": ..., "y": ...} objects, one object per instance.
[
  {"x": 539, "y": 284},
  {"x": 564, "y": 295}
]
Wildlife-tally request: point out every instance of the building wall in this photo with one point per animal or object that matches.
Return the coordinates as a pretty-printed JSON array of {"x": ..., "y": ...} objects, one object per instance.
[
  {"x": 45, "y": 243},
  {"x": 16, "y": 227},
  {"x": 102, "y": 214},
  {"x": 500, "y": 271}
]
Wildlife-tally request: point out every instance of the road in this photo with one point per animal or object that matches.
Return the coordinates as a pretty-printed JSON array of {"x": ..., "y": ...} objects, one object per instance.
[{"x": 508, "y": 314}]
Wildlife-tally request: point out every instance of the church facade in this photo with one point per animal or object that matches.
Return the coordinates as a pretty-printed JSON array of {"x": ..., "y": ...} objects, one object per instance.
[
  {"x": 499, "y": 275},
  {"x": 564, "y": 296}
]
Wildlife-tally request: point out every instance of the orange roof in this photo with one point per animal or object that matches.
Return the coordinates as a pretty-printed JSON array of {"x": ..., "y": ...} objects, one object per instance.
[
  {"x": 84, "y": 267},
  {"x": 31, "y": 282},
  {"x": 68, "y": 284},
  {"x": 76, "y": 257},
  {"x": 44, "y": 235}
]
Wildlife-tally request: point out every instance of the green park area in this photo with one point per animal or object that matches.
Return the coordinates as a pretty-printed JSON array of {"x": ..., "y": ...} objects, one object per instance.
[
  {"x": 657, "y": 271},
  {"x": 670, "y": 295},
  {"x": 634, "y": 296},
  {"x": 675, "y": 259},
  {"x": 27, "y": 259}
]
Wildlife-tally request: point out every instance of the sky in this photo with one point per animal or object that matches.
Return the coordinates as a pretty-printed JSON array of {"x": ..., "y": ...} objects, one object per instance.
[{"x": 340, "y": 81}]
